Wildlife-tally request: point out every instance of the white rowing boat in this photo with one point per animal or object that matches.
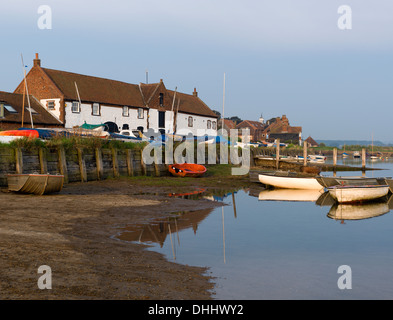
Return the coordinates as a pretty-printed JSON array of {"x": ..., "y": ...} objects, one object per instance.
[
  {"x": 348, "y": 194},
  {"x": 289, "y": 181}
]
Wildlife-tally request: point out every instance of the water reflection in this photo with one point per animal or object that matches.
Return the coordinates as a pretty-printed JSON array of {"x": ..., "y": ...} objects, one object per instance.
[
  {"x": 358, "y": 211},
  {"x": 289, "y": 195}
]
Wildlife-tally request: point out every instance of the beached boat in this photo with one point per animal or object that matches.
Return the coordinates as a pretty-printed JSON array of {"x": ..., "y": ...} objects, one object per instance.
[
  {"x": 38, "y": 184},
  {"x": 389, "y": 182},
  {"x": 352, "y": 180},
  {"x": 290, "y": 195},
  {"x": 348, "y": 194},
  {"x": 186, "y": 169},
  {"x": 289, "y": 180}
]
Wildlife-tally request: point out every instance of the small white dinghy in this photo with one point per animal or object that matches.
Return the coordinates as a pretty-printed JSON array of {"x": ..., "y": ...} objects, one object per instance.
[
  {"x": 348, "y": 194},
  {"x": 289, "y": 180}
]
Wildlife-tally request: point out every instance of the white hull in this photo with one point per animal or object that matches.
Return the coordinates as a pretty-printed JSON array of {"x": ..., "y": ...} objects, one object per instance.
[
  {"x": 290, "y": 195},
  {"x": 290, "y": 182},
  {"x": 347, "y": 194}
]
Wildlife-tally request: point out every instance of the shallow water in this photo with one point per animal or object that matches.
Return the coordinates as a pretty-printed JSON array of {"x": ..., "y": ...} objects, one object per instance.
[{"x": 264, "y": 249}]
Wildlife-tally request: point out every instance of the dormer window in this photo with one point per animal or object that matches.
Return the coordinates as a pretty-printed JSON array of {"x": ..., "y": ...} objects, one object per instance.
[
  {"x": 161, "y": 99},
  {"x": 10, "y": 109},
  {"x": 1, "y": 110}
]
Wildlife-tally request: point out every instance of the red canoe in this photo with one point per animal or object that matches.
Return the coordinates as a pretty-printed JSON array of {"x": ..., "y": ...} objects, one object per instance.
[{"x": 187, "y": 169}]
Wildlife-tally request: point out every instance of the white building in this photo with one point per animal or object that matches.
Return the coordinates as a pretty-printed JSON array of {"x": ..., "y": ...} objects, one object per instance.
[{"x": 75, "y": 99}]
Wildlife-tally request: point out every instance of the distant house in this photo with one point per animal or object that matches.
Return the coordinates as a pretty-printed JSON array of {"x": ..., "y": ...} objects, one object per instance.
[
  {"x": 279, "y": 128},
  {"x": 13, "y": 109},
  {"x": 75, "y": 99},
  {"x": 256, "y": 129},
  {"x": 311, "y": 142},
  {"x": 228, "y": 125}
]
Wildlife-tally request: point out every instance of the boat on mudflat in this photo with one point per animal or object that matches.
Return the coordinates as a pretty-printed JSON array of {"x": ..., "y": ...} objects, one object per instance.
[
  {"x": 289, "y": 180},
  {"x": 362, "y": 193},
  {"x": 38, "y": 184},
  {"x": 187, "y": 169}
]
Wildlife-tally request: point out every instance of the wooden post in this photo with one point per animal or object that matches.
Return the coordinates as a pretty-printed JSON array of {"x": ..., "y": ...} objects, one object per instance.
[
  {"x": 82, "y": 165},
  {"x": 99, "y": 164},
  {"x": 62, "y": 162},
  {"x": 130, "y": 162},
  {"x": 363, "y": 159},
  {"x": 18, "y": 161},
  {"x": 143, "y": 165},
  {"x": 115, "y": 163},
  {"x": 156, "y": 165},
  {"x": 305, "y": 153},
  {"x": 43, "y": 162},
  {"x": 334, "y": 157},
  {"x": 277, "y": 153}
]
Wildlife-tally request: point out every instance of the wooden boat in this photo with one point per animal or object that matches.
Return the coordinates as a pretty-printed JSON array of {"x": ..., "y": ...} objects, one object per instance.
[
  {"x": 356, "y": 154},
  {"x": 348, "y": 194},
  {"x": 29, "y": 133},
  {"x": 289, "y": 180},
  {"x": 353, "y": 180},
  {"x": 358, "y": 211},
  {"x": 38, "y": 184},
  {"x": 389, "y": 182},
  {"x": 186, "y": 169},
  {"x": 290, "y": 195}
]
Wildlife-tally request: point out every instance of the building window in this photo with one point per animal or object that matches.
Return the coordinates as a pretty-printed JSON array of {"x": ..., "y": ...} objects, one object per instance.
[
  {"x": 190, "y": 122},
  {"x": 31, "y": 110},
  {"x": 126, "y": 111},
  {"x": 209, "y": 124},
  {"x": 140, "y": 113},
  {"x": 95, "y": 109},
  {"x": 10, "y": 109},
  {"x": 161, "y": 99},
  {"x": 1, "y": 110},
  {"x": 51, "y": 105},
  {"x": 75, "y": 107},
  {"x": 214, "y": 125}
]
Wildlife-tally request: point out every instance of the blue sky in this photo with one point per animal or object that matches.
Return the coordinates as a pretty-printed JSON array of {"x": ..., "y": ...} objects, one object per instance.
[{"x": 279, "y": 57}]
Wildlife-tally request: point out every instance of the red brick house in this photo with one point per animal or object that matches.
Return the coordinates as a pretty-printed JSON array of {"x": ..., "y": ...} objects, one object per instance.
[
  {"x": 13, "y": 108},
  {"x": 256, "y": 129},
  {"x": 75, "y": 98}
]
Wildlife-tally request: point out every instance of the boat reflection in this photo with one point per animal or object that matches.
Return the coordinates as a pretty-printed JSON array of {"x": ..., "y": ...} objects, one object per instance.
[
  {"x": 157, "y": 231},
  {"x": 358, "y": 211},
  {"x": 290, "y": 195}
]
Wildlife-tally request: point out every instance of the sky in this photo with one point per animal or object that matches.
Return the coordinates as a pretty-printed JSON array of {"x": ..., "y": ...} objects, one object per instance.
[{"x": 278, "y": 57}]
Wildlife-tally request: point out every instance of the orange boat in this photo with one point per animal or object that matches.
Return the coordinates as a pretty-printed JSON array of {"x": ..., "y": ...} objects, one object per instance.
[
  {"x": 20, "y": 133},
  {"x": 186, "y": 169}
]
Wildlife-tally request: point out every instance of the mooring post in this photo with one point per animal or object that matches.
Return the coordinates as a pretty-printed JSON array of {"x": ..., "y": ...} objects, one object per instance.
[
  {"x": 18, "y": 161},
  {"x": 130, "y": 163},
  {"x": 62, "y": 162},
  {"x": 115, "y": 164},
  {"x": 82, "y": 165},
  {"x": 99, "y": 164},
  {"x": 334, "y": 157},
  {"x": 277, "y": 153},
  {"x": 305, "y": 153},
  {"x": 42, "y": 159}
]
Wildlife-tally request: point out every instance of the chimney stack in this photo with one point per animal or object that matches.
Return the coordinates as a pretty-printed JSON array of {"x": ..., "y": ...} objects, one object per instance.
[
  {"x": 195, "y": 93},
  {"x": 37, "y": 61}
]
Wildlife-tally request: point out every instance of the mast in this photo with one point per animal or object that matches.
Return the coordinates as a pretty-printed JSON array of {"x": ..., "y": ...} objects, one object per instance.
[
  {"x": 173, "y": 112},
  {"x": 27, "y": 92},
  {"x": 223, "y": 103}
]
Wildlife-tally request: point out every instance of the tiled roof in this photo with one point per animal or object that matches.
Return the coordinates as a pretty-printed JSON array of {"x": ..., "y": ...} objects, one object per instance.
[
  {"x": 94, "y": 89},
  {"x": 251, "y": 124},
  {"x": 15, "y": 100}
]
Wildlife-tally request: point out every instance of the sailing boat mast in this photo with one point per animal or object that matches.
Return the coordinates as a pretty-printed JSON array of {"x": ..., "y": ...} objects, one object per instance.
[{"x": 27, "y": 93}]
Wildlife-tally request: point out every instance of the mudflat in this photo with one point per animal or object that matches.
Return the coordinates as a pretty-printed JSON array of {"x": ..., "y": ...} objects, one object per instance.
[{"x": 72, "y": 232}]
